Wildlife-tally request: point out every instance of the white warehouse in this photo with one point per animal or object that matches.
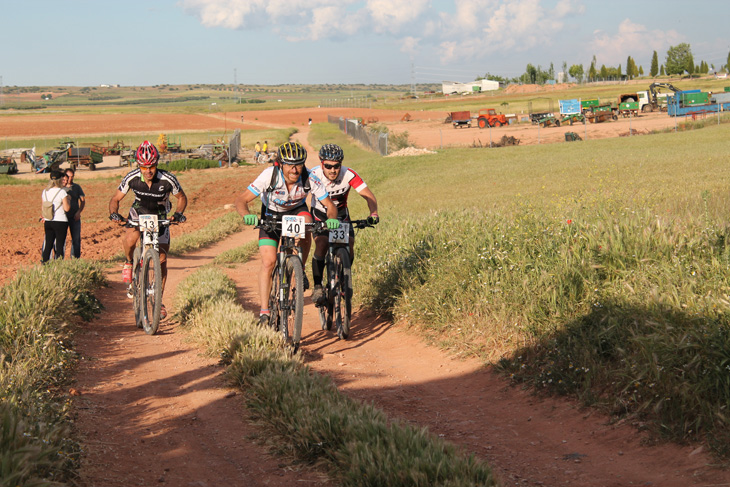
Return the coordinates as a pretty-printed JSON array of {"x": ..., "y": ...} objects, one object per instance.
[{"x": 453, "y": 87}]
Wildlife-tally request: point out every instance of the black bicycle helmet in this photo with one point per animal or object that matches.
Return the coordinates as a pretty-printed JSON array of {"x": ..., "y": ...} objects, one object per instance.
[
  {"x": 331, "y": 152},
  {"x": 291, "y": 153}
]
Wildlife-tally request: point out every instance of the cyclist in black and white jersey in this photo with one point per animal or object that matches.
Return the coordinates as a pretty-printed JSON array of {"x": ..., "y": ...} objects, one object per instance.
[{"x": 152, "y": 188}]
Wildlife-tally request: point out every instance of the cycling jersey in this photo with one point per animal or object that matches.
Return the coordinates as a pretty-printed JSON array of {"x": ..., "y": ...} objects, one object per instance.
[
  {"x": 339, "y": 189},
  {"x": 153, "y": 199},
  {"x": 282, "y": 199}
]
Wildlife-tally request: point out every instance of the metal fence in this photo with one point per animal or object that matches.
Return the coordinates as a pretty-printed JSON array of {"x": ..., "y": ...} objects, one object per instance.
[
  {"x": 234, "y": 146},
  {"x": 375, "y": 141},
  {"x": 352, "y": 102}
]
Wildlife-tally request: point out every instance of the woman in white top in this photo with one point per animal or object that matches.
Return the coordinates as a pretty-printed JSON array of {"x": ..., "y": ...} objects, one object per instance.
[{"x": 57, "y": 227}]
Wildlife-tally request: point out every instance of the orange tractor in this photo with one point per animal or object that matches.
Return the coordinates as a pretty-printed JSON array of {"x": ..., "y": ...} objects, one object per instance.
[{"x": 488, "y": 117}]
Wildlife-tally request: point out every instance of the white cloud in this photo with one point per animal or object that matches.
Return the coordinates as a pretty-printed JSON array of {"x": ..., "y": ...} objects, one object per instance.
[
  {"x": 633, "y": 40},
  {"x": 393, "y": 15}
]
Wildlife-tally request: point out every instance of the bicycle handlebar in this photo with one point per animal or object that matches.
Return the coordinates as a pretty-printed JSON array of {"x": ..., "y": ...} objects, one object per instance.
[
  {"x": 162, "y": 223},
  {"x": 318, "y": 227}
]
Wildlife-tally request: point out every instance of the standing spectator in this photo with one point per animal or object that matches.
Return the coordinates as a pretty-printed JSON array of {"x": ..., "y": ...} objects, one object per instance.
[
  {"x": 56, "y": 223},
  {"x": 265, "y": 148},
  {"x": 256, "y": 152},
  {"x": 78, "y": 202}
]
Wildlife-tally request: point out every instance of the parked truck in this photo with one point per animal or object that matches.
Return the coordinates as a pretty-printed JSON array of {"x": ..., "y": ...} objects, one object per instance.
[
  {"x": 488, "y": 117},
  {"x": 694, "y": 102},
  {"x": 653, "y": 99}
]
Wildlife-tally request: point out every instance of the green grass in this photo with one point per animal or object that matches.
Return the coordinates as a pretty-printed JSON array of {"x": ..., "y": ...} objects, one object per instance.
[
  {"x": 598, "y": 270},
  {"x": 237, "y": 255},
  {"x": 303, "y": 413},
  {"x": 37, "y": 312}
]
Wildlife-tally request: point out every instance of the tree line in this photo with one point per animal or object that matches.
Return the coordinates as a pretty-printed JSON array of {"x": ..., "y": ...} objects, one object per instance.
[{"x": 678, "y": 61}]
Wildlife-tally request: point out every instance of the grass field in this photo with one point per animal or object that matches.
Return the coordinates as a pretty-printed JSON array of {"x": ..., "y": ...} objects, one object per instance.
[{"x": 598, "y": 270}]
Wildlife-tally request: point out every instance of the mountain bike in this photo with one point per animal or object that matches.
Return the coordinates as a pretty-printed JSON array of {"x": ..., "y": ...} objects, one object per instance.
[
  {"x": 286, "y": 299},
  {"x": 147, "y": 273},
  {"x": 338, "y": 289}
]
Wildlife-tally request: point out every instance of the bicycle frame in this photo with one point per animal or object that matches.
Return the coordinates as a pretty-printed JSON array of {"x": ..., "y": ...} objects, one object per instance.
[
  {"x": 338, "y": 288},
  {"x": 147, "y": 293}
]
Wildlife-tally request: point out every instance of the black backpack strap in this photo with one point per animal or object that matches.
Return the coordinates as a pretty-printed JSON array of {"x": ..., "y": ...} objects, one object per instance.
[{"x": 274, "y": 176}]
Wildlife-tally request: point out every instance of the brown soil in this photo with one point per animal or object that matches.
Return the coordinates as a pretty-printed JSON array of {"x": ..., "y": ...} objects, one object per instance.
[{"x": 153, "y": 410}]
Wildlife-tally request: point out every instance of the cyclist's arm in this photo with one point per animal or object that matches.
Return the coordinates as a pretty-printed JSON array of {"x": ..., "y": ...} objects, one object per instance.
[
  {"x": 242, "y": 201},
  {"x": 114, "y": 202},
  {"x": 331, "y": 208},
  {"x": 372, "y": 202},
  {"x": 182, "y": 202}
]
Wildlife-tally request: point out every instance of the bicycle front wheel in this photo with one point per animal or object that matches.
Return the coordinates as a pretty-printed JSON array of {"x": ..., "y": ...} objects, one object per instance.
[
  {"x": 293, "y": 306},
  {"x": 151, "y": 292},
  {"x": 136, "y": 279},
  {"x": 274, "y": 308},
  {"x": 343, "y": 296}
]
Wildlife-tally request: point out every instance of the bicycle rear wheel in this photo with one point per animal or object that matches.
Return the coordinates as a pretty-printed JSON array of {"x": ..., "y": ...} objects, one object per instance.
[
  {"x": 343, "y": 295},
  {"x": 151, "y": 292},
  {"x": 293, "y": 307},
  {"x": 136, "y": 279}
]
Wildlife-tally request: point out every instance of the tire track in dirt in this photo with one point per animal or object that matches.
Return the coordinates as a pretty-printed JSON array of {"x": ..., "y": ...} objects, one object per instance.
[{"x": 153, "y": 410}]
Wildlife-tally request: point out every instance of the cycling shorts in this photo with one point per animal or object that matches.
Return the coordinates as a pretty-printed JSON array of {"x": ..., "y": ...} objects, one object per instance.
[{"x": 272, "y": 237}]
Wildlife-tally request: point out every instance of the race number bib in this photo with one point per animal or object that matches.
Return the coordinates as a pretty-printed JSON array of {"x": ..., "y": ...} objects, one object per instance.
[
  {"x": 341, "y": 235},
  {"x": 293, "y": 226},
  {"x": 148, "y": 222}
]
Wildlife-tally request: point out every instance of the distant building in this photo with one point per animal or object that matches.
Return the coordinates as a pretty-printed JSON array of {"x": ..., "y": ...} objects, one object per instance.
[{"x": 453, "y": 87}]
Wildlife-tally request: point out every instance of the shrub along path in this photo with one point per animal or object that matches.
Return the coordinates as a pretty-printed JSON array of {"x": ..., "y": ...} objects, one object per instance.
[{"x": 151, "y": 409}]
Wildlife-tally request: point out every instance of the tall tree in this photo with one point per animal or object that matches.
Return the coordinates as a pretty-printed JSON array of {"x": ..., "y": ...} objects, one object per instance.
[
  {"x": 661, "y": 70},
  {"x": 691, "y": 68},
  {"x": 629, "y": 67},
  {"x": 678, "y": 58},
  {"x": 576, "y": 71},
  {"x": 654, "y": 70},
  {"x": 565, "y": 71}
]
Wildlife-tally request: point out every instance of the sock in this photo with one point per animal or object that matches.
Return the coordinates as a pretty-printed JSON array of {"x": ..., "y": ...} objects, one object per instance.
[
  {"x": 317, "y": 270},
  {"x": 263, "y": 312}
]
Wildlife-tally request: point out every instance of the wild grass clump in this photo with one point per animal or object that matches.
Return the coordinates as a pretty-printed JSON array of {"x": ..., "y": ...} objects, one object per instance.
[
  {"x": 237, "y": 255},
  {"x": 621, "y": 307},
  {"x": 37, "y": 310},
  {"x": 308, "y": 416},
  {"x": 187, "y": 164}
]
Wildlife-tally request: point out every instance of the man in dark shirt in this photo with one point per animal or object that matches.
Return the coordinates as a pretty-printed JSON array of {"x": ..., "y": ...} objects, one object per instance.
[
  {"x": 152, "y": 188},
  {"x": 78, "y": 202}
]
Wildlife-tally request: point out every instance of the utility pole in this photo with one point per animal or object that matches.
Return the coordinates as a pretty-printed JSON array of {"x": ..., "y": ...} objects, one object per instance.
[{"x": 413, "y": 81}]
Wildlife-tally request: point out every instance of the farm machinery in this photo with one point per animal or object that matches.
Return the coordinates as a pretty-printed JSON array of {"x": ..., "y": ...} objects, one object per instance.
[
  {"x": 488, "y": 117},
  {"x": 570, "y": 111},
  {"x": 8, "y": 165},
  {"x": 460, "y": 119}
]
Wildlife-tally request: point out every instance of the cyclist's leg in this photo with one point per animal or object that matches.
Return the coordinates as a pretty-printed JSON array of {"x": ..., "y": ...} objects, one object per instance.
[
  {"x": 320, "y": 251},
  {"x": 267, "y": 251},
  {"x": 164, "y": 249},
  {"x": 129, "y": 242},
  {"x": 306, "y": 242}
]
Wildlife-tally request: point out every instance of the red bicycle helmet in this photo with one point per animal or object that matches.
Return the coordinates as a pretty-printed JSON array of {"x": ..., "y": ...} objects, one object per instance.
[{"x": 147, "y": 155}]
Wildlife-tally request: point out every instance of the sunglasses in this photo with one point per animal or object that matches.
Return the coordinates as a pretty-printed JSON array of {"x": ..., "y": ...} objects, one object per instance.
[{"x": 332, "y": 166}]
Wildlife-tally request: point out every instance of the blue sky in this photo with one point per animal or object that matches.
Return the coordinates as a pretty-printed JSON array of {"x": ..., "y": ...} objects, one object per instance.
[{"x": 148, "y": 42}]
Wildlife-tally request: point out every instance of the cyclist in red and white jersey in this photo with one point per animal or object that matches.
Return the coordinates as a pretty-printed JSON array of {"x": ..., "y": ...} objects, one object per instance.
[
  {"x": 283, "y": 189},
  {"x": 338, "y": 180}
]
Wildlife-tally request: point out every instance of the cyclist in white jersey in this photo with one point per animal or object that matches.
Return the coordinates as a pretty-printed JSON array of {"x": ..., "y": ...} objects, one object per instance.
[
  {"x": 338, "y": 180},
  {"x": 283, "y": 189}
]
